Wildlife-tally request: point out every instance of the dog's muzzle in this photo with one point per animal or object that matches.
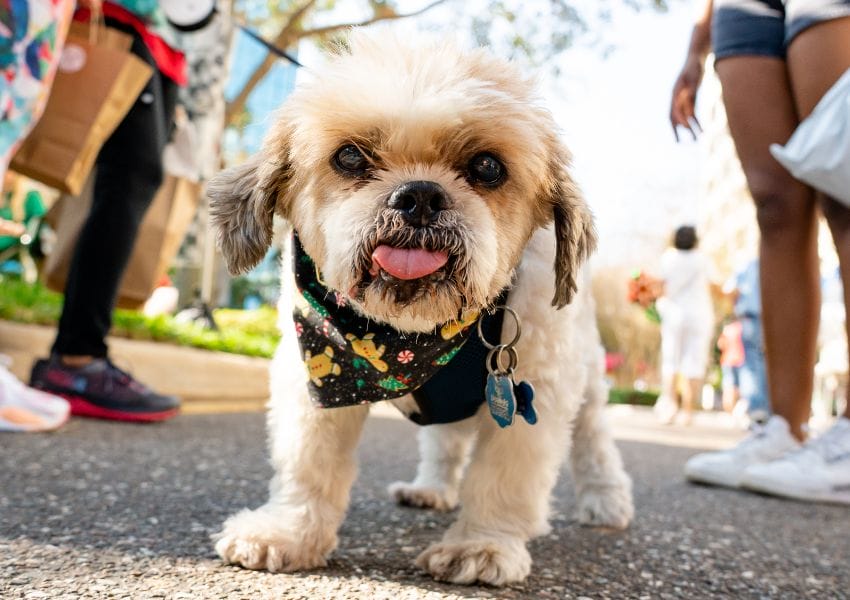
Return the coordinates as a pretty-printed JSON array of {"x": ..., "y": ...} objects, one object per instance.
[{"x": 414, "y": 245}]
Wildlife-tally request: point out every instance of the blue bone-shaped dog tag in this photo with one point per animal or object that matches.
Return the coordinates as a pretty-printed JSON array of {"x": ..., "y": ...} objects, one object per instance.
[
  {"x": 500, "y": 398},
  {"x": 524, "y": 393}
]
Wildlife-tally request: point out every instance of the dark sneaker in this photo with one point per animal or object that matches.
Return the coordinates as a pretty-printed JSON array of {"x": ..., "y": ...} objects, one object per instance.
[{"x": 103, "y": 391}]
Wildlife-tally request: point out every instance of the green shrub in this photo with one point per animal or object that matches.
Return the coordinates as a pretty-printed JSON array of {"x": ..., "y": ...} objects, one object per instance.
[
  {"x": 252, "y": 333},
  {"x": 631, "y": 396}
]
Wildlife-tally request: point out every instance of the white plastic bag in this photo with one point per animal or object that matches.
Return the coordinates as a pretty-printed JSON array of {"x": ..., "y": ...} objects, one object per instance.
[{"x": 818, "y": 152}]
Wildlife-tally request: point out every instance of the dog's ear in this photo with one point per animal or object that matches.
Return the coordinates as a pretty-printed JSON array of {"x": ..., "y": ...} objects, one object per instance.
[
  {"x": 574, "y": 230},
  {"x": 243, "y": 200}
]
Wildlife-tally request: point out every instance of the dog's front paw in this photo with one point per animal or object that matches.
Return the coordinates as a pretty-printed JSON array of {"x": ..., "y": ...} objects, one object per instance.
[
  {"x": 606, "y": 506},
  {"x": 410, "y": 494},
  {"x": 261, "y": 539},
  {"x": 492, "y": 561}
]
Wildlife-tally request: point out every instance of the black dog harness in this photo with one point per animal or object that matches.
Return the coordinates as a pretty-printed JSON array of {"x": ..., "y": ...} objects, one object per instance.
[{"x": 352, "y": 360}]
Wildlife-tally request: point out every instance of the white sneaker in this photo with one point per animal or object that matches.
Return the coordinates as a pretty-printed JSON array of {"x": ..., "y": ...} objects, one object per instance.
[
  {"x": 726, "y": 468},
  {"x": 23, "y": 408},
  {"x": 819, "y": 471}
]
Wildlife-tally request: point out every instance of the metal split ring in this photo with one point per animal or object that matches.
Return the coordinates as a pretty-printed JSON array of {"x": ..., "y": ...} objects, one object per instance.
[
  {"x": 494, "y": 359},
  {"x": 509, "y": 345}
]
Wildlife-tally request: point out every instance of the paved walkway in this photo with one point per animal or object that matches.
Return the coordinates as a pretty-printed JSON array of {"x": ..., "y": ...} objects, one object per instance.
[{"x": 105, "y": 510}]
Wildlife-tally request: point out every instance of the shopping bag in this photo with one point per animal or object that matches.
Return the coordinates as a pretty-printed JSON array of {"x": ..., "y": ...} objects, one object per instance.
[
  {"x": 159, "y": 238},
  {"x": 97, "y": 82},
  {"x": 818, "y": 152}
]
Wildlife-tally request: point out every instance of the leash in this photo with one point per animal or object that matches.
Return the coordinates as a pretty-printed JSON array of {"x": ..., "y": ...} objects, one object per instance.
[{"x": 269, "y": 46}]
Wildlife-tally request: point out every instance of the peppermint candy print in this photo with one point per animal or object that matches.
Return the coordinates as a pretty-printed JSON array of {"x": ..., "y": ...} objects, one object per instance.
[{"x": 405, "y": 356}]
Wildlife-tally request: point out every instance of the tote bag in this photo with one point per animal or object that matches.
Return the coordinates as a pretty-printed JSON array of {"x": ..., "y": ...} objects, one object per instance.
[{"x": 97, "y": 82}]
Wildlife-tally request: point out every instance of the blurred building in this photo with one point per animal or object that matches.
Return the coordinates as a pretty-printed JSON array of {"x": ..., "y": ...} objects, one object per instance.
[{"x": 727, "y": 221}]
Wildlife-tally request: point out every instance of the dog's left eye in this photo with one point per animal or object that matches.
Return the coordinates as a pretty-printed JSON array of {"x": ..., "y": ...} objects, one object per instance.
[
  {"x": 486, "y": 169},
  {"x": 350, "y": 160}
]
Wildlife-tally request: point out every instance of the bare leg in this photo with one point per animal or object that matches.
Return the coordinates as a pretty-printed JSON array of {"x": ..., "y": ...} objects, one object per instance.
[
  {"x": 670, "y": 387},
  {"x": 760, "y": 108},
  {"x": 731, "y": 395},
  {"x": 691, "y": 393},
  {"x": 828, "y": 46}
]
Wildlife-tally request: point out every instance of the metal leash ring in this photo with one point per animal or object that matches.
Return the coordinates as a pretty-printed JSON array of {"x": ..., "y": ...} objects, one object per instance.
[
  {"x": 494, "y": 359},
  {"x": 510, "y": 344}
]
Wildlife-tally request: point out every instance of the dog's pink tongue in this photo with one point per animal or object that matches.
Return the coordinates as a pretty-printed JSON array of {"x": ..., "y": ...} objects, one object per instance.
[{"x": 408, "y": 263}]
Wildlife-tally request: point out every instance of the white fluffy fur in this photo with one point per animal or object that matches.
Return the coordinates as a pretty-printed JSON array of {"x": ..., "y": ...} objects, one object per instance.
[{"x": 501, "y": 478}]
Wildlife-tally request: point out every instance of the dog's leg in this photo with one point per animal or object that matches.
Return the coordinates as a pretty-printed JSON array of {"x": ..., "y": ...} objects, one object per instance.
[
  {"x": 313, "y": 455},
  {"x": 443, "y": 454},
  {"x": 603, "y": 489},
  {"x": 504, "y": 502}
]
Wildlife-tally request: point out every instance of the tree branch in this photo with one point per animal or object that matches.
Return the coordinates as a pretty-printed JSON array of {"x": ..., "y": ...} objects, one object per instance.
[
  {"x": 375, "y": 19},
  {"x": 299, "y": 14}
]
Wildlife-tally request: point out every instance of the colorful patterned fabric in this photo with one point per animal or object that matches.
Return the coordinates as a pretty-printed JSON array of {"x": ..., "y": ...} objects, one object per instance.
[{"x": 32, "y": 33}]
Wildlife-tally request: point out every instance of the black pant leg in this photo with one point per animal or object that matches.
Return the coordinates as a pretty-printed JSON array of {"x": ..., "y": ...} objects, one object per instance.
[{"x": 129, "y": 173}]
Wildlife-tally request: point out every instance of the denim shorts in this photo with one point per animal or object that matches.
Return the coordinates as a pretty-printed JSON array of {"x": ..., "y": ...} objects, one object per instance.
[{"x": 767, "y": 27}]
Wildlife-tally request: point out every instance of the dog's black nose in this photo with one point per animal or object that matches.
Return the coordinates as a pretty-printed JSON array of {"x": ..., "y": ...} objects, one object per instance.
[{"x": 420, "y": 201}]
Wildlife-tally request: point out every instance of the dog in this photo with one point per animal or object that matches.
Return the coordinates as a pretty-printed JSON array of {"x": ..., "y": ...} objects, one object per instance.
[{"x": 425, "y": 184}]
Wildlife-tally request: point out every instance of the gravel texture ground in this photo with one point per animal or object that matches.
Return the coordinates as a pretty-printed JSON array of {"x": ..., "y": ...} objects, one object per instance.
[{"x": 105, "y": 510}]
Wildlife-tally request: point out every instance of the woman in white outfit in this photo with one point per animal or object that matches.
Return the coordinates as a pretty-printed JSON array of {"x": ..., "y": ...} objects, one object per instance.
[{"x": 687, "y": 324}]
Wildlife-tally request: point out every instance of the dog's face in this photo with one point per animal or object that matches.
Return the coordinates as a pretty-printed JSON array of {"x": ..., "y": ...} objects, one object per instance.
[{"x": 414, "y": 176}]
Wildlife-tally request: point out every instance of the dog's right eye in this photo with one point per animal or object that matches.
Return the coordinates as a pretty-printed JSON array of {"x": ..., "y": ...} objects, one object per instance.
[
  {"x": 487, "y": 169},
  {"x": 349, "y": 160}
]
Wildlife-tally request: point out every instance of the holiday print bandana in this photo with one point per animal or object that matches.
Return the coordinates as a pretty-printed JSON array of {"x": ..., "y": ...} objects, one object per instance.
[{"x": 353, "y": 360}]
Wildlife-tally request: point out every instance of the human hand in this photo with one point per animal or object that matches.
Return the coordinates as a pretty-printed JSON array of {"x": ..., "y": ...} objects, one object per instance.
[
  {"x": 11, "y": 228},
  {"x": 683, "y": 101}
]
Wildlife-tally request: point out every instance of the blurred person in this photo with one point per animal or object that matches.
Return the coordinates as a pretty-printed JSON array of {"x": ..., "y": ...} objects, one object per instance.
[
  {"x": 775, "y": 60},
  {"x": 129, "y": 172},
  {"x": 731, "y": 360},
  {"x": 745, "y": 290},
  {"x": 687, "y": 325},
  {"x": 32, "y": 33}
]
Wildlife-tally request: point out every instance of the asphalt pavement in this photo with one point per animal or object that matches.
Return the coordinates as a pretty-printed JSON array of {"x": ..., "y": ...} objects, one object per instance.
[{"x": 109, "y": 510}]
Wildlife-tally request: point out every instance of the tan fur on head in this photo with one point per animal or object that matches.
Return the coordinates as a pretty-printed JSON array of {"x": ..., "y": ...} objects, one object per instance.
[{"x": 419, "y": 112}]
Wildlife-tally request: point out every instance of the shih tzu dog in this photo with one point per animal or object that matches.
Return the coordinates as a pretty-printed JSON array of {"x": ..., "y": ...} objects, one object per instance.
[{"x": 429, "y": 197}]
